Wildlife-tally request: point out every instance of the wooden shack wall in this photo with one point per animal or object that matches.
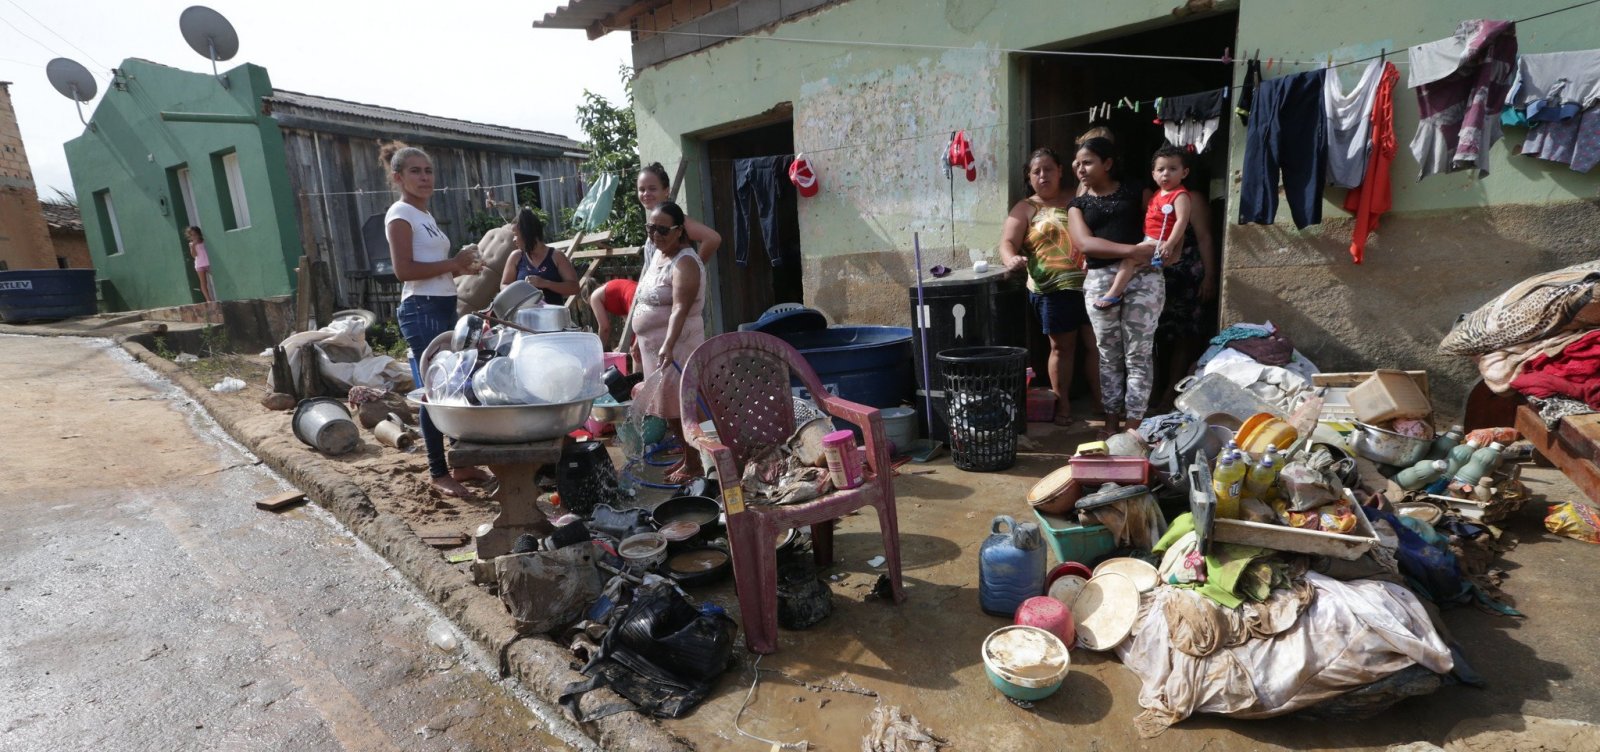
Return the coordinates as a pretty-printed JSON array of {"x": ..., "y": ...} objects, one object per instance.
[{"x": 345, "y": 170}]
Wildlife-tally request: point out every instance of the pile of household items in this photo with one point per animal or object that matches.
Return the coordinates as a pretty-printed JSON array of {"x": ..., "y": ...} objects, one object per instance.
[{"x": 1280, "y": 517}]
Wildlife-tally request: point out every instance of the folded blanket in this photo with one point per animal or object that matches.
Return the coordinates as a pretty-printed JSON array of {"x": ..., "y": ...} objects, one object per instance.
[
  {"x": 1536, "y": 307},
  {"x": 1500, "y": 367},
  {"x": 1572, "y": 373}
]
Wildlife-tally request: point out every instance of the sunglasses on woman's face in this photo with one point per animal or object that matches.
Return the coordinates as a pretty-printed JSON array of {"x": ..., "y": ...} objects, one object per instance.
[{"x": 659, "y": 229}]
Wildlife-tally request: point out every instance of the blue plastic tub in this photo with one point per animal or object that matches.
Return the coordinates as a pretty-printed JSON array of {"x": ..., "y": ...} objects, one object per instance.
[
  {"x": 866, "y": 364},
  {"x": 46, "y": 294}
]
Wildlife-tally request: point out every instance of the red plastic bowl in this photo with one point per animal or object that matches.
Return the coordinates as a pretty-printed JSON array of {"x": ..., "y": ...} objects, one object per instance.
[
  {"x": 1048, "y": 614},
  {"x": 1065, "y": 568}
]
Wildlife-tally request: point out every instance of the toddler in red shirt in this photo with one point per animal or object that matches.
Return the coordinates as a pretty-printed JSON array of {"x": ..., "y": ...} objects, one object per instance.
[{"x": 1165, "y": 221}]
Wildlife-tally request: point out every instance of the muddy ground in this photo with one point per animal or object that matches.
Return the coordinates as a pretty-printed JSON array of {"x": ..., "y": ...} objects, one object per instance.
[{"x": 923, "y": 655}]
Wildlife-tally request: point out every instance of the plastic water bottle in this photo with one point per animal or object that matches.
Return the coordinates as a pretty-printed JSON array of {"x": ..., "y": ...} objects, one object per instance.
[
  {"x": 1421, "y": 474},
  {"x": 443, "y": 637},
  {"x": 1447, "y": 441},
  {"x": 1010, "y": 566}
]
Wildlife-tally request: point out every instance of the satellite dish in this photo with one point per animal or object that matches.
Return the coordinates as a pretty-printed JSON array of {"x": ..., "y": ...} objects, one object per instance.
[
  {"x": 73, "y": 81},
  {"x": 209, "y": 34}
]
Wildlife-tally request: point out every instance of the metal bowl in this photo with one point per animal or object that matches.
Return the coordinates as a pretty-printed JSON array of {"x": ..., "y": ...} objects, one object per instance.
[
  {"x": 506, "y": 424},
  {"x": 515, "y": 295},
  {"x": 1387, "y": 447},
  {"x": 543, "y": 318},
  {"x": 614, "y": 412}
]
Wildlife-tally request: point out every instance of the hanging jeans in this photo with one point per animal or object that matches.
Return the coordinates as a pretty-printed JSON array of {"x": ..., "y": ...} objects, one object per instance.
[
  {"x": 422, "y": 318},
  {"x": 1126, "y": 335},
  {"x": 760, "y": 179},
  {"x": 1286, "y": 134}
]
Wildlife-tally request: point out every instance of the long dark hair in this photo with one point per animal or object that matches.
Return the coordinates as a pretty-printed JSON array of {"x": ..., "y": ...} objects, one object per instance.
[
  {"x": 655, "y": 168},
  {"x": 679, "y": 219},
  {"x": 529, "y": 229},
  {"x": 1104, "y": 149}
]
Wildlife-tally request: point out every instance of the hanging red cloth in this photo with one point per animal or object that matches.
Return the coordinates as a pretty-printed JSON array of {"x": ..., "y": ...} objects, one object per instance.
[{"x": 1373, "y": 197}]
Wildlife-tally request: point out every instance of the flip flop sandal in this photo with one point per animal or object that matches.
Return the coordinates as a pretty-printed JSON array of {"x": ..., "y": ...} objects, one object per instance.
[
  {"x": 1106, "y": 304},
  {"x": 1064, "y": 420}
]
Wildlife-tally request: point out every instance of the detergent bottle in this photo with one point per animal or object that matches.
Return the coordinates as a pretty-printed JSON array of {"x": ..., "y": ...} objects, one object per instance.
[
  {"x": 1457, "y": 459},
  {"x": 1483, "y": 462},
  {"x": 1262, "y": 480},
  {"x": 1228, "y": 484},
  {"x": 1421, "y": 474},
  {"x": 1010, "y": 566},
  {"x": 1447, "y": 441}
]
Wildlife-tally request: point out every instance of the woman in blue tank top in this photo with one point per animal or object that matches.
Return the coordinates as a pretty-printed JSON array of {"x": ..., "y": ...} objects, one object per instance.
[{"x": 542, "y": 266}]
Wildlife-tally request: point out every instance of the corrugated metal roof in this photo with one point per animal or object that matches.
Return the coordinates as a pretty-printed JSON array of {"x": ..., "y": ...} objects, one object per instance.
[
  {"x": 62, "y": 216},
  {"x": 581, "y": 14},
  {"x": 419, "y": 120}
]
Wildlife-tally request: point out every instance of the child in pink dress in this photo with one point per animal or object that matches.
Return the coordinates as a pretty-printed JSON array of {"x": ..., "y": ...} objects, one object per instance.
[{"x": 202, "y": 262}]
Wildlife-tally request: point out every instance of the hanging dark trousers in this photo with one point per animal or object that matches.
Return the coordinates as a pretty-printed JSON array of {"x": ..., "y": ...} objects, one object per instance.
[
  {"x": 761, "y": 179},
  {"x": 1285, "y": 135}
]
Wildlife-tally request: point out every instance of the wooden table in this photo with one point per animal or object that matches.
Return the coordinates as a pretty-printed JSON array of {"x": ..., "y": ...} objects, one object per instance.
[{"x": 515, "y": 466}]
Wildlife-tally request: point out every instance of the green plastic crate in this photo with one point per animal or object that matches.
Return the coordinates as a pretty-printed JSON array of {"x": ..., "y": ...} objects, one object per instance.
[{"x": 1074, "y": 542}]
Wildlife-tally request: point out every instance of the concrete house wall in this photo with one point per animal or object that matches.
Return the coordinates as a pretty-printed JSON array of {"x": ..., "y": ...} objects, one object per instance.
[
  {"x": 1451, "y": 243},
  {"x": 133, "y": 153}
]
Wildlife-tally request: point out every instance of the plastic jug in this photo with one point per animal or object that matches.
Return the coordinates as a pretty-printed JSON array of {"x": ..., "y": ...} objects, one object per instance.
[
  {"x": 1261, "y": 483},
  {"x": 1421, "y": 474},
  {"x": 1483, "y": 462},
  {"x": 1457, "y": 459},
  {"x": 1010, "y": 566},
  {"x": 1447, "y": 441}
]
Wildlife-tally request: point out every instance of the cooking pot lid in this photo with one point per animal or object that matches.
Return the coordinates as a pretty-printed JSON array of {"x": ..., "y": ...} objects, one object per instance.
[
  {"x": 1051, "y": 486},
  {"x": 1106, "y": 611},
  {"x": 1138, "y": 571}
]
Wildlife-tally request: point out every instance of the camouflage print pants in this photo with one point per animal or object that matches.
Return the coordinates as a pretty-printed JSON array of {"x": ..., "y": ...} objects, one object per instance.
[{"x": 1126, "y": 336}]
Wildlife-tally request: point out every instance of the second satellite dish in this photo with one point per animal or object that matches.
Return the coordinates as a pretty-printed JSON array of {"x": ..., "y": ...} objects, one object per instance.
[{"x": 208, "y": 33}]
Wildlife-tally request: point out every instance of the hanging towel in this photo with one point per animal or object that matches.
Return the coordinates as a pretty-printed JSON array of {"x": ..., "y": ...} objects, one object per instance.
[
  {"x": 1349, "y": 126},
  {"x": 1373, "y": 197},
  {"x": 1461, "y": 84},
  {"x": 1565, "y": 77}
]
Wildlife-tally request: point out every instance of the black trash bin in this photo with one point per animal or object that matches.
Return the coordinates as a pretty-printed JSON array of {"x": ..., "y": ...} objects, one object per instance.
[{"x": 984, "y": 396}]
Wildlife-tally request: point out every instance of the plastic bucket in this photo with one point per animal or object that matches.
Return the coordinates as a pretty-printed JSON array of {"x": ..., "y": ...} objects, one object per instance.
[
  {"x": 324, "y": 424},
  {"x": 899, "y": 426}
]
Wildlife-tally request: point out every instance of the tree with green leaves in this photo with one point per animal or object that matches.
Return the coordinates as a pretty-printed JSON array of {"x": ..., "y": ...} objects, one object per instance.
[{"x": 613, "y": 143}]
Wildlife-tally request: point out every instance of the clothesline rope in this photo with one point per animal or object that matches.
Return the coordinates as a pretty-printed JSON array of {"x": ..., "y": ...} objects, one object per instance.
[{"x": 941, "y": 133}]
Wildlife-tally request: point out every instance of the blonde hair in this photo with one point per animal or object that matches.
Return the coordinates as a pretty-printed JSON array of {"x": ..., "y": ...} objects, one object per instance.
[
  {"x": 1098, "y": 131},
  {"x": 393, "y": 155}
]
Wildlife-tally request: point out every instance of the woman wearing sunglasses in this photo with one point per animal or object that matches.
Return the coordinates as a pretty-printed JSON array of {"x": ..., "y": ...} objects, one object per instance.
[{"x": 666, "y": 318}]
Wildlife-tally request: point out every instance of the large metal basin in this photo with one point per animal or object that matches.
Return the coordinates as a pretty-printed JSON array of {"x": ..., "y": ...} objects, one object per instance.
[{"x": 507, "y": 424}]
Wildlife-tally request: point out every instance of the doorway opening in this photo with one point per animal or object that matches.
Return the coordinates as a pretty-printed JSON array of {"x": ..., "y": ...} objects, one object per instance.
[
  {"x": 768, "y": 276},
  {"x": 1061, "y": 89}
]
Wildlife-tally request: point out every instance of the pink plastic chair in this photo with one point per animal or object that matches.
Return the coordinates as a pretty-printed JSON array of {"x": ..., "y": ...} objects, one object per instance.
[{"x": 742, "y": 380}]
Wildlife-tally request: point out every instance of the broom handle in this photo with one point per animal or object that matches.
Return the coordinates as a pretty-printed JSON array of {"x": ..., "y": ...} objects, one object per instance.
[{"x": 922, "y": 329}]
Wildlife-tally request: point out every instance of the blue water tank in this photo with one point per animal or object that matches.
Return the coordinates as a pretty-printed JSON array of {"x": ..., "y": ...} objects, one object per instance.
[
  {"x": 866, "y": 364},
  {"x": 46, "y": 294}
]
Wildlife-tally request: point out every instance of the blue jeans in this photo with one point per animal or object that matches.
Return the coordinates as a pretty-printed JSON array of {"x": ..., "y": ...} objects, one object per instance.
[
  {"x": 760, "y": 179},
  {"x": 422, "y": 318},
  {"x": 1285, "y": 136}
]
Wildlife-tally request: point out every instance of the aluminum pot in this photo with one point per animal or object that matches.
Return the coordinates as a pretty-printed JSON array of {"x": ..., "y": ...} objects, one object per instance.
[
  {"x": 1387, "y": 447},
  {"x": 468, "y": 332},
  {"x": 324, "y": 424},
  {"x": 505, "y": 424},
  {"x": 544, "y": 318}
]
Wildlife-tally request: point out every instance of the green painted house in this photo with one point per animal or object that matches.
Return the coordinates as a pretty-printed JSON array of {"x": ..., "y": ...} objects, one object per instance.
[
  {"x": 872, "y": 89},
  {"x": 271, "y": 175}
]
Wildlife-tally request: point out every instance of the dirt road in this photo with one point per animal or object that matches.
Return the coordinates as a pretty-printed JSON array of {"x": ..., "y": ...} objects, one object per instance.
[{"x": 150, "y": 605}]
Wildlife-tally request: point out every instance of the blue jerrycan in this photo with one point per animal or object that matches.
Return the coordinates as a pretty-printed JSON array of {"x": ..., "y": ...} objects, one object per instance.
[{"x": 1010, "y": 566}]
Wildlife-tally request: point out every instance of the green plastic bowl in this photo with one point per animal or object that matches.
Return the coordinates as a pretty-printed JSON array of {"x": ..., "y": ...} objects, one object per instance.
[{"x": 1027, "y": 685}]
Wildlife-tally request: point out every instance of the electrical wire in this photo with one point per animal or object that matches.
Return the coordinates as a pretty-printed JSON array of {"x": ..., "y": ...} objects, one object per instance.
[
  {"x": 941, "y": 47},
  {"x": 57, "y": 35},
  {"x": 25, "y": 35},
  {"x": 801, "y": 745}
]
